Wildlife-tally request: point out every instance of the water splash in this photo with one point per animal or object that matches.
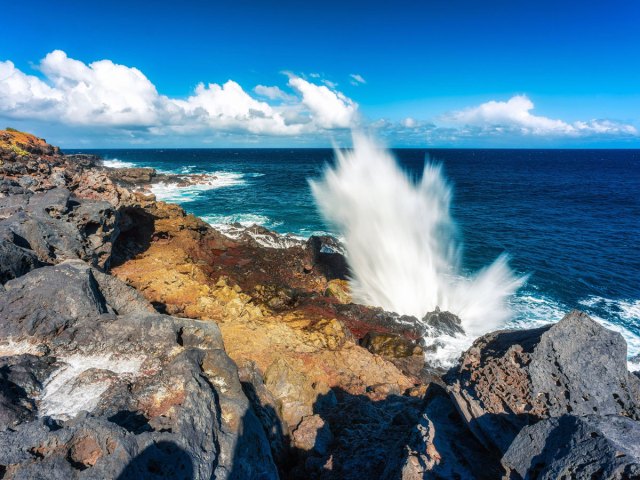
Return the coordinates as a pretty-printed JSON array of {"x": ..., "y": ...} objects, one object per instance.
[{"x": 401, "y": 243}]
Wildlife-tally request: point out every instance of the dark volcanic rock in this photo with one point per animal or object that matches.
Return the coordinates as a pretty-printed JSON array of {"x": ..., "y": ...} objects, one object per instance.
[
  {"x": 53, "y": 226},
  {"x": 443, "y": 323},
  {"x": 440, "y": 446},
  {"x": 326, "y": 255},
  {"x": 97, "y": 385},
  {"x": 390, "y": 345},
  {"x": 606, "y": 447},
  {"x": 509, "y": 379},
  {"x": 133, "y": 176}
]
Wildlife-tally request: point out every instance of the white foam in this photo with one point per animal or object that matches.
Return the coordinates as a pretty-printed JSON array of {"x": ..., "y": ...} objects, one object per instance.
[
  {"x": 627, "y": 310},
  {"x": 115, "y": 163},
  {"x": 401, "y": 241},
  {"x": 244, "y": 219},
  {"x": 241, "y": 228},
  {"x": 64, "y": 396},
  {"x": 173, "y": 192}
]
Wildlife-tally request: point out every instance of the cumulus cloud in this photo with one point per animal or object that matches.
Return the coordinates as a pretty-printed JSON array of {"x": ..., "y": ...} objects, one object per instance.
[
  {"x": 119, "y": 102},
  {"x": 272, "y": 93},
  {"x": 514, "y": 116},
  {"x": 357, "y": 79},
  {"x": 104, "y": 93},
  {"x": 329, "y": 108}
]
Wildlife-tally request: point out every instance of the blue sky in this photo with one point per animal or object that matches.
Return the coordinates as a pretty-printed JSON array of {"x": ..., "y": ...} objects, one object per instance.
[{"x": 450, "y": 73}]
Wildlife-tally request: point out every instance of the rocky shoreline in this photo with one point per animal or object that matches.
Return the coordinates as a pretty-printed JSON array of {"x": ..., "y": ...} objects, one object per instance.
[{"x": 138, "y": 342}]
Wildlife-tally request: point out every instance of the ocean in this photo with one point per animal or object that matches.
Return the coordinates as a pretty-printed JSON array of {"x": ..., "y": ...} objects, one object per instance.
[{"x": 569, "y": 219}]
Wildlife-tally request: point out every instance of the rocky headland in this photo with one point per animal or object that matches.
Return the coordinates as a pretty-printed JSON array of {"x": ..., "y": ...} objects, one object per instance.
[{"x": 136, "y": 341}]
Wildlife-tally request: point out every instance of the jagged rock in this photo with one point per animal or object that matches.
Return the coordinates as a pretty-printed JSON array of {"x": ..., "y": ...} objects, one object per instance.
[
  {"x": 390, "y": 345},
  {"x": 364, "y": 319},
  {"x": 312, "y": 435},
  {"x": 509, "y": 379},
  {"x": 296, "y": 394},
  {"x": 54, "y": 226},
  {"x": 101, "y": 387},
  {"x": 443, "y": 323},
  {"x": 602, "y": 447},
  {"x": 440, "y": 446},
  {"x": 265, "y": 406},
  {"x": 325, "y": 254},
  {"x": 21, "y": 378},
  {"x": 339, "y": 289},
  {"x": 133, "y": 176},
  {"x": 15, "y": 260}
]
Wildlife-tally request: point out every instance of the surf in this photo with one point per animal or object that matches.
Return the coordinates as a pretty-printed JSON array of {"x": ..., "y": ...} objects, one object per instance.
[{"x": 401, "y": 241}]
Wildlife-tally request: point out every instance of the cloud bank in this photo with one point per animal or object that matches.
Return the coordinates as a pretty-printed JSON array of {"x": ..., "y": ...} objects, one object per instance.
[
  {"x": 106, "y": 99},
  {"x": 515, "y": 116},
  {"x": 103, "y": 93}
]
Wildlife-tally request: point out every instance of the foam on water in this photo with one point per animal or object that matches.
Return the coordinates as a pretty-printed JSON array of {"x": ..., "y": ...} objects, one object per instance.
[
  {"x": 173, "y": 192},
  {"x": 115, "y": 163},
  {"x": 401, "y": 243},
  {"x": 244, "y": 219}
]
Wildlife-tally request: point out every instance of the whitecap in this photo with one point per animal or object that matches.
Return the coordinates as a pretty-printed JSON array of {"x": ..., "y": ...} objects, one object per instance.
[
  {"x": 116, "y": 163},
  {"x": 173, "y": 192}
]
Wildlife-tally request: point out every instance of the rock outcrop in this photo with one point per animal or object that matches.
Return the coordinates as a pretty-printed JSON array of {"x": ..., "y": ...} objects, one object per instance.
[
  {"x": 590, "y": 446},
  {"x": 99, "y": 385},
  {"x": 510, "y": 379},
  {"x": 102, "y": 380}
]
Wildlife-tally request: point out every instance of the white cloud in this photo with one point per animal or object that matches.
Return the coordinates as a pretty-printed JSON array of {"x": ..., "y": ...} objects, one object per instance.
[
  {"x": 357, "y": 79},
  {"x": 272, "y": 93},
  {"x": 409, "y": 122},
  {"x": 119, "y": 102},
  {"x": 329, "y": 108},
  {"x": 514, "y": 116},
  {"x": 103, "y": 93}
]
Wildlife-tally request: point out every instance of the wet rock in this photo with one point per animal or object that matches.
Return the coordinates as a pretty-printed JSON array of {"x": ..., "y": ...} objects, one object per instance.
[
  {"x": 443, "y": 323},
  {"x": 510, "y": 379},
  {"x": 339, "y": 289},
  {"x": 390, "y": 345},
  {"x": 603, "y": 447},
  {"x": 326, "y": 255},
  {"x": 362, "y": 319}
]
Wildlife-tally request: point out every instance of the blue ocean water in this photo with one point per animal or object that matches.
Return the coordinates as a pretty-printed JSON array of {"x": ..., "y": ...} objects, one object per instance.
[{"x": 568, "y": 218}]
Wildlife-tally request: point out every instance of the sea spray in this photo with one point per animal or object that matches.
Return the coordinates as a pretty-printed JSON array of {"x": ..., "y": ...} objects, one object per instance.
[{"x": 400, "y": 242}]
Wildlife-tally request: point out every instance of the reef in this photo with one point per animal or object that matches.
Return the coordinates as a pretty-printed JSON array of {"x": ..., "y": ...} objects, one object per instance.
[{"x": 136, "y": 341}]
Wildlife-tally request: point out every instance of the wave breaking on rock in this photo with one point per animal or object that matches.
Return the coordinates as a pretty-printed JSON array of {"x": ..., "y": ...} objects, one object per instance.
[{"x": 401, "y": 242}]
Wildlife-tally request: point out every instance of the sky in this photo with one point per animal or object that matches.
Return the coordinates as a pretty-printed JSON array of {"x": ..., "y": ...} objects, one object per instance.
[{"x": 305, "y": 74}]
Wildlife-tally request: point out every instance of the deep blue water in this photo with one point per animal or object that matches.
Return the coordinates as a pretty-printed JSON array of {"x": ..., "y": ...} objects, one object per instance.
[{"x": 569, "y": 218}]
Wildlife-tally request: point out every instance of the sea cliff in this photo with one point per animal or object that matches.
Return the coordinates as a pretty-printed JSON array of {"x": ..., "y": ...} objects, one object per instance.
[{"x": 136, "y": 341}]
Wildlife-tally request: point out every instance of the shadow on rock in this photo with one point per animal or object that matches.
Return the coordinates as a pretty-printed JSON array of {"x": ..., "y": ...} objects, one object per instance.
[
  {"x": 136, "y": 233},
  {"x": 378, "y": 435},
  {"x": 160, "y": 460}
]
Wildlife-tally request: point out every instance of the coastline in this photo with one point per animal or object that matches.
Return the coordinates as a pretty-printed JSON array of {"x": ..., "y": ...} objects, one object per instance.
[{"x": 328, "y": 389}]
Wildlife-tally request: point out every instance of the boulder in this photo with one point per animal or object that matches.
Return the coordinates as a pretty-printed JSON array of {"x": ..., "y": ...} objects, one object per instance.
[
  {"x": 439, "y": 446},
  {"x": 509, "y": 379},
  {"x": 390, "y": 345},
  {"x": 312, "y": 435},
  {"x": 54, "y": 226},
  {"x": 591, "y": 446},
  {"x": 133, "y": 176},
  {"x": 95, "y": 384},
  {"x": 442, "y": 323}
]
